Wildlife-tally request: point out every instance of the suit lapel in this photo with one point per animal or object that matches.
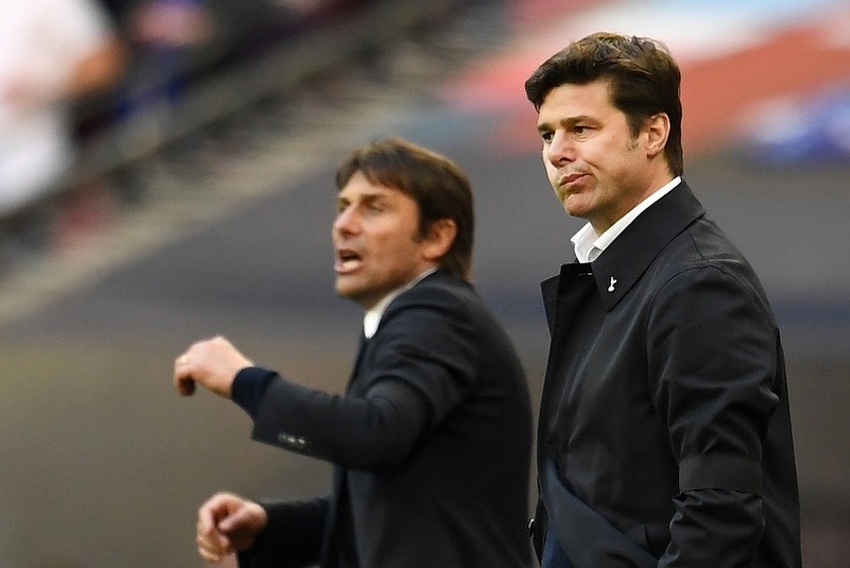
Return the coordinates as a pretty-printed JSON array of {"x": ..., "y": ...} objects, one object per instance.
[{"x": 628, "y": 257}]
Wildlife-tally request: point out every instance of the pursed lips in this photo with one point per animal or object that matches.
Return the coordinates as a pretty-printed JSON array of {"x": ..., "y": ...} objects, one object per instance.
[{"x": 569, "y": 178}]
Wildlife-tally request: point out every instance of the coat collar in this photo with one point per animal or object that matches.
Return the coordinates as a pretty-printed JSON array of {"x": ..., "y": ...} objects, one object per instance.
[
  {"x": 437, "y": 277},
  {"x": 623, "y": 262}
]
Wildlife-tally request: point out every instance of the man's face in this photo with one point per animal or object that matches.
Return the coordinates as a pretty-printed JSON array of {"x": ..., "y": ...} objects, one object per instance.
[
  {"x": 597, "y": 168},
  {"x": 375, "y": 237}
]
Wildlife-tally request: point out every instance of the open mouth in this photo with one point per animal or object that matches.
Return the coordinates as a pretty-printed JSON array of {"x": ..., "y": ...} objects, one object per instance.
[{"x": 347, "y": 261}]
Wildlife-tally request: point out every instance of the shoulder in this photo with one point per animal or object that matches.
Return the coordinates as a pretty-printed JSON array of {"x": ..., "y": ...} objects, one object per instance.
[
  {"x": 440, "y": 292},
  {"x": 712, "y": 289},
  {"x": 438, "y": 309},
  {"x": 702, "y": 249}
]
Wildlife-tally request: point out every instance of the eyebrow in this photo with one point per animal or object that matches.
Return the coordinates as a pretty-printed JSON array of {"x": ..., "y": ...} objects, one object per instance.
[
  {"x": 363, "y": 198},
  {"x": 566, "y": 122}
]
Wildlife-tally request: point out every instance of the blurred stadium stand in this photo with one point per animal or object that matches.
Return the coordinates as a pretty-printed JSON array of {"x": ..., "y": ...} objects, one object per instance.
[
  {"x": 200, "y": 93},
  {"x": 268, "y": 89}
]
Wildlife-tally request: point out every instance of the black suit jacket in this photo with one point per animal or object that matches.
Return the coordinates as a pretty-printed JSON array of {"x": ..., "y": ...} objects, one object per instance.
[
  {"x": 457, "y": 496},
  {"x": 665, "y": 406}
]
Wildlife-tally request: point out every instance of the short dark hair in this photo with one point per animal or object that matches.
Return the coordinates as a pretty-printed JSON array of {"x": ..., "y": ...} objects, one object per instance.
[
  {"x": 642, "y": 75},
  {"x": 439, "y": 187}
]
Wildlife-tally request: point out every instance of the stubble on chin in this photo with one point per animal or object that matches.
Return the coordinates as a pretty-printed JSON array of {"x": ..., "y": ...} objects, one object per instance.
[{"x": 575, "y": 205}]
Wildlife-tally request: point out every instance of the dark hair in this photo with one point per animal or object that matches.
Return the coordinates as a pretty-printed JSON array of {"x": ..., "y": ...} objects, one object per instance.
[
  {"x": 439, "y": 187},
  {"x": 643, "y": 79}
]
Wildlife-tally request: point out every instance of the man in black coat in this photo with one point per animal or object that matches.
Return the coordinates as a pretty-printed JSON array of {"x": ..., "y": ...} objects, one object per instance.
[
  {"x": 431, "y": 442},
  {"x": 664, "y": 436}
]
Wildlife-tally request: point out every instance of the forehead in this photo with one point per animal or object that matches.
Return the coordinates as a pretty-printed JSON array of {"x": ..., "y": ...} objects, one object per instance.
[
  {"x": 359, "y": 185},
  {"x": 570, "y": 101},
  {"x": 359, "y": 188}
]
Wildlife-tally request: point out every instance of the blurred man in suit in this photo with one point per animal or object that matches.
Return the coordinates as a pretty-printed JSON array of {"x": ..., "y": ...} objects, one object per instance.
[
  {"x": 431, "y": 442},
  {"x": 664, "y": 436}
]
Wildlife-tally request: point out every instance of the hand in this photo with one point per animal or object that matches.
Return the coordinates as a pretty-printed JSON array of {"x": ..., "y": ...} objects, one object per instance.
[
  {"x": 214, "y": 363},
  {"x": 227, "y": 524}
]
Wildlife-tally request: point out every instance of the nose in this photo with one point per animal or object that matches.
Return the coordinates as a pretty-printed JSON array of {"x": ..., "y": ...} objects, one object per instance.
[
  {"x": 346, "y": 221},
  {"x": 561, "y": 149}
]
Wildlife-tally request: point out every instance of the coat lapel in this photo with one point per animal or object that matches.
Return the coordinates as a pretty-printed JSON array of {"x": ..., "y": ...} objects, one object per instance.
[{"x": 628, "y": 257}]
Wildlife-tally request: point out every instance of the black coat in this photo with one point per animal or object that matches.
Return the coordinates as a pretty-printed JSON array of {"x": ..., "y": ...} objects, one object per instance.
[
  {"x": 665, "y": 406},
  {"x": 458, "y": 495}
]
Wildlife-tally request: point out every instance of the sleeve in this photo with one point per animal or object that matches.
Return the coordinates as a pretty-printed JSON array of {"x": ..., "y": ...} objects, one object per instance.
[
  {"x": 706, "y": 519},
  {"x": 248, "y": 387},
  {"x": 422, "y": 362},
  {"x": 372, "y": 432},
  {"x": 293, "y": 536},
  {"x": 712, "y": 353}
]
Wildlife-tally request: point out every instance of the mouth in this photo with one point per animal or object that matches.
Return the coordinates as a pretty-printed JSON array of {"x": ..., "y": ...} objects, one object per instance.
[
  {"x": 569, "y": 179},
  {"x": 347, "y": 261}
]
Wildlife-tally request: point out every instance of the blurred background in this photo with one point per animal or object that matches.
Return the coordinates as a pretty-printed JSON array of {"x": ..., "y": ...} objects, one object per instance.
[{"x": 166, "y": 175}]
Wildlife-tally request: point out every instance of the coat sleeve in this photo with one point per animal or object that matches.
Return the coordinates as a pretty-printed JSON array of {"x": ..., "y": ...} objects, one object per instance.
[
  {"x": 708, "y": 518},
  {"x": 419, "y": 366},
  {"x": 712, "y": 352},
  {"x": 370, "y": 432},
  {"x": 293, "y": 536}
]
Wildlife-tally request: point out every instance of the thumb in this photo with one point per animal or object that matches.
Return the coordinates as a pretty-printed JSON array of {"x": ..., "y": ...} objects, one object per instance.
[{"x": 234, "y": 521}]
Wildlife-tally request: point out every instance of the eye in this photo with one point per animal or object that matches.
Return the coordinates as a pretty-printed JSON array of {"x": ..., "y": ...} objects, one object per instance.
[
  {"x": 581, "y": 131},
  {"x": 546, "y": 135},
  {"x": 373, "y": 205}
]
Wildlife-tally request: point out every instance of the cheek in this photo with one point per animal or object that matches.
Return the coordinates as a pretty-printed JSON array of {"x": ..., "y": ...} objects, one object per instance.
[
  {"x": 551, "y": 171},
  {"x": 388, "y": 252}
]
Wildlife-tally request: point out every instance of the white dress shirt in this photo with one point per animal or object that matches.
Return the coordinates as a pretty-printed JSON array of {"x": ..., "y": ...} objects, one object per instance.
[{"x": 588, "y": 246}]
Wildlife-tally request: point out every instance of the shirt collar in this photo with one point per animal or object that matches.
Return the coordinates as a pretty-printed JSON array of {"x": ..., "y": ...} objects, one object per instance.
[
  {"x": 588, "y": 246},
  {"x": 372, "y": 317}
]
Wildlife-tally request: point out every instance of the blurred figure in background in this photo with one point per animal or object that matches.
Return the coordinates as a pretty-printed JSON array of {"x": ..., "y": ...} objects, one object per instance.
[
  {"x": 52, "y": 52},
  {"x": 431, "y": 443},
  {"x": 165, "y": 33}
]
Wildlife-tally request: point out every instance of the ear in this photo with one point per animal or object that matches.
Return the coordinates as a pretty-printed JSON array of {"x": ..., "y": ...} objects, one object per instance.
[
  {"x": 657, "y": 131},
  {"x": 439, "y": 239}
]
